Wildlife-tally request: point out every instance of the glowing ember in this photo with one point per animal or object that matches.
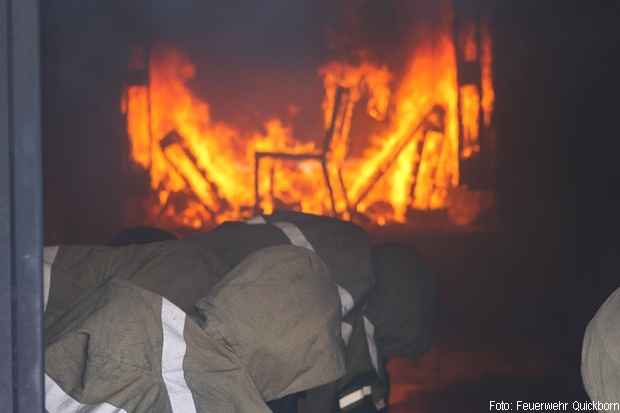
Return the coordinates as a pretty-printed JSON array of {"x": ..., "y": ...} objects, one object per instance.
[{"x": 202, "y": 170}]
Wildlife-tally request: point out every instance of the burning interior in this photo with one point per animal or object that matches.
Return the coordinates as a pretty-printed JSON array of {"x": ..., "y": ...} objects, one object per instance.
[
  {"x": 394, "y": 138},
  {"x": 159, "y": 114}
]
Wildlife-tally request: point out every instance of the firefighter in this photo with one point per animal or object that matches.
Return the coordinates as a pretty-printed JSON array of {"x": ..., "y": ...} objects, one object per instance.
[
  {"x": 116, "y": 340},
  {"x": 388, "y": 300},
  {"x": 386, "y": 297}
]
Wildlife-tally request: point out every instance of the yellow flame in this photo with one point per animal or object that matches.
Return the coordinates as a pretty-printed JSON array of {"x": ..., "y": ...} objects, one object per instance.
[{"x": 207, "y": 175}]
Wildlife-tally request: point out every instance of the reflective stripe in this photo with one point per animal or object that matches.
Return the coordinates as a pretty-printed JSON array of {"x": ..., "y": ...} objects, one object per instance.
[
  {"x": 172, "y": 356},
  {"x": 57, "y": 401},
  {"x": 346, "y": 330},
  {"x": 258, "y": 219},
  {"x": 354, "y": 397},
  {"x": 346, "y": 300},
  {"x": 297, "y": 238},
  {"x": 372, "y": 346},
  {"x": 47, "y": 283},
  {"x": 49, "y": 255},
  {"x": 294, "y": 234}
]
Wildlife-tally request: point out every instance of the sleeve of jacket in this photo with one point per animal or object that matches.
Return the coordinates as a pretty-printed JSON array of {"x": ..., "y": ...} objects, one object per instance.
[
  {"x": 79, "y": 270},
  {"x": 183, "y": 272}
]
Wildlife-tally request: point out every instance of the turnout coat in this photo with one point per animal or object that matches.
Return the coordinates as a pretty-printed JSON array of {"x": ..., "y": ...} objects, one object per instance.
[
  {"x": 346, "y": 250},
  {"x": 119, "y": 339}
]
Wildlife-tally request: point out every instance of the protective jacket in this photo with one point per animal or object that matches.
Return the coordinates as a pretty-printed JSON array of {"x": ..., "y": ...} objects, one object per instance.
[
  {"x": 118, "y": 338},
  {"x": 345, "y": 248},
  {"x": 600, "y": 357}
]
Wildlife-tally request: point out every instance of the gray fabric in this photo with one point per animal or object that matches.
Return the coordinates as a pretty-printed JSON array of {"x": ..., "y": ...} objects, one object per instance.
[
  {"x": 268, "y": 328},
  {"x": 108, "y": 349},
  {"x": 280, "y": 310},
  {"x": 178, "y": 270},
  {"x": 403, "y": 304},
  {"x": 206, "y": 258},
  {"x": 600, "y": 359},
  {"x": 358, "y": 358},
  {"x": 232, "y": 242},
  {"x": 358, "y": 363},
  {"x": 343, "y": 246}
]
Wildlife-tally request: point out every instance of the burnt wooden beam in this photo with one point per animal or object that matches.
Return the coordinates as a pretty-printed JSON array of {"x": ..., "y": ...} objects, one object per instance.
[
  {"x": 425, "y": 125},
  {"x": 290, "y": 155},
  {"x": 173, "y": 138},
  {"x": 336, "y": 119}
]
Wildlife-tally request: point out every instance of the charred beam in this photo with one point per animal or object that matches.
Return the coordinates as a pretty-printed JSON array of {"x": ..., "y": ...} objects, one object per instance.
[{"x": 433, "y": 121}]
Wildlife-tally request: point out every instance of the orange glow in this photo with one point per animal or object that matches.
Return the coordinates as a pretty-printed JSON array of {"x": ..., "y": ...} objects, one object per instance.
[
  {"x": 470, "y": 107},
  {"x": 430, "y": 80},
  {"x": 204, "y": 175},
  {"x": 488, "y": 94},
  {"x": 470, "y": 49},
  {"x": 136, "y": 108}
]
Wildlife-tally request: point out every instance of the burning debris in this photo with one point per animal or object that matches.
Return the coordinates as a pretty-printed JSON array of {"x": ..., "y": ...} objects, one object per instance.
[{"x": 431, "y": 117}]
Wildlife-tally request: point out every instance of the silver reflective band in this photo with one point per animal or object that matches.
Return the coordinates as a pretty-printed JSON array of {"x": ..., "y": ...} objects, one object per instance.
[
  {"x": 294, "y": 234},
  {"x": 346, "y": 330},
  {"x": 372, "y": 346},
  {"x": 57, "y": 401},
  {"x": 346, "y": 300},
  {"x": 354, "y": 397},
  {"x": 49, "y": 255},
  {"x": 297, "y": 238},
  {"x": 172, "y": 356}
]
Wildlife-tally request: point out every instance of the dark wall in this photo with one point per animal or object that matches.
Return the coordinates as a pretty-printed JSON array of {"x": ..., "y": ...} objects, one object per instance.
[
  {"x": 536, "y": 91},
  {"x": 557, "y": 86},
  {"x": 84, "y": 56}
]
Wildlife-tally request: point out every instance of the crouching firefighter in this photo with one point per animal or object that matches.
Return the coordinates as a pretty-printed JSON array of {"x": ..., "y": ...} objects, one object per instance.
[
  {"x": 125, "y": 331},
  {"x": 386, "y": 296}
]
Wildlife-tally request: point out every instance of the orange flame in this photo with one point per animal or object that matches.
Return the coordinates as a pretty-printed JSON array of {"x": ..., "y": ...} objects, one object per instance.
[
  {"x": 488, "y": 94},
  {"x": 204, "y": 173}
]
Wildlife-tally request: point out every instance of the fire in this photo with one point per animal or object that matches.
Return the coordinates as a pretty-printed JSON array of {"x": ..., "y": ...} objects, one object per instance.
[
  {"x": 486, "y": 57},
  {"x": 430, "y": 80},
  {"x": 202, "y": 171}
]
